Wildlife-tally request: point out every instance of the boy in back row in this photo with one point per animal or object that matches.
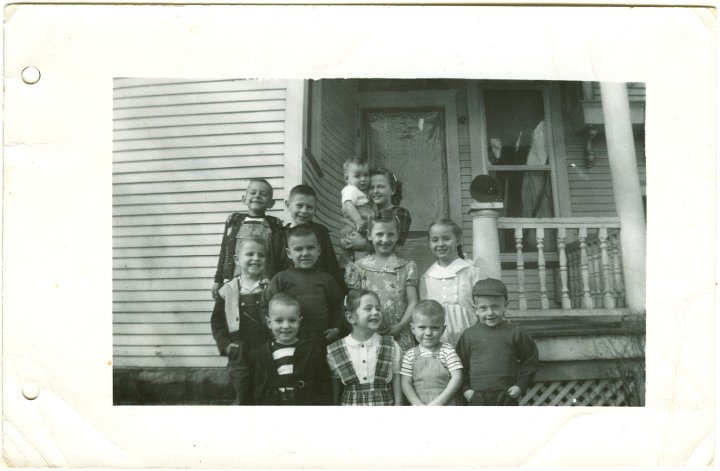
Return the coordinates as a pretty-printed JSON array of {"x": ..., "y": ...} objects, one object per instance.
[{"x": 258, "y": 197}]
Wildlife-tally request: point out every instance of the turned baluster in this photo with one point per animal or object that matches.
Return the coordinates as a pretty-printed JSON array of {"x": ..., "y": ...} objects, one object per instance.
[
  {"x": 522, "y": 300},
  {"x": 587, "y": 301},
  {"x": 596, "y": 279},
  {"x": 565, "y": 298},
  {"x": 577, "y": 279},
  {"x": 540, "y": 240},
  {"x": 617, "y": 271},
  {"x": 605, "y": 260},
  {"x": 574, "y": 280}
]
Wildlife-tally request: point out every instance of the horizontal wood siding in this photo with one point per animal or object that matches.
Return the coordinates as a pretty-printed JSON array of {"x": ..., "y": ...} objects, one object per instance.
[
  {"x": 182, "y": 154},
  {"x": 635, "y": 90},
  {"x": 466, "y": 175},
  {"x": 336, "y": 144},
  {"x": 591, "y": 190}
]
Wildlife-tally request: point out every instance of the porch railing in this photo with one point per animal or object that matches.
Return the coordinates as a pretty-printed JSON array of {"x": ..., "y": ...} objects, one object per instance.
[{"x": 581, "y": 254}]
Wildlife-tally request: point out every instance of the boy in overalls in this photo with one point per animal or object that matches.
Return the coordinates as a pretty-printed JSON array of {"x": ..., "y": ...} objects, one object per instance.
[{"x": 432, "y": 371}]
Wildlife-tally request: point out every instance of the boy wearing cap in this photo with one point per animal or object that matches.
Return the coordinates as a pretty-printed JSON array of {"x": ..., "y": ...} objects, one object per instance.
[{"x": 499, "y": 359}]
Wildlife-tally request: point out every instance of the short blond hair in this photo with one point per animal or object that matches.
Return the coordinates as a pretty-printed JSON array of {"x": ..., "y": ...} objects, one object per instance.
[{"x": 429, "y": 308}]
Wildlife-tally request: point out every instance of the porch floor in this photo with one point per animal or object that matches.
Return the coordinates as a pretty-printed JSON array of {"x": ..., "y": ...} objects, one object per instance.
[{"x": 577, "y": 322}]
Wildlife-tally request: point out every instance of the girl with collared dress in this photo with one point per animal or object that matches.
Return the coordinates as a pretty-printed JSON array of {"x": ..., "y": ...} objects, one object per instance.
[
  {"x": 365, "y": 366},
  {"x": 450, "y": 279},
  {"x": 394, "y": 279}
]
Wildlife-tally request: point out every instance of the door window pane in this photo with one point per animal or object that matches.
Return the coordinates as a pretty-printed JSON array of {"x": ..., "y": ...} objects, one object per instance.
[{"x": 411, "y": 144}]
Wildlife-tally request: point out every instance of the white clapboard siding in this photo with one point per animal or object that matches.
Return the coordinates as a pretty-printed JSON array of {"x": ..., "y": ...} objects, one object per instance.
[
  {"x": 203, "y": 340},
  {"x": 163, "y": 273},
  {"x": 149, "y": 318},
  {"x": 183, "y": 151},
  {"x": 189, "y": 186},
  {"x": 259, "y": 149},
  {"x": 168, "y": 230}
]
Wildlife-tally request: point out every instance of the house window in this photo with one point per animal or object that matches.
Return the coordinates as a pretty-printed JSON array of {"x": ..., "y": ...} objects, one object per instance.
[
  {"x": 517, "y": 151},
  {"x": 520, "y": 143}
]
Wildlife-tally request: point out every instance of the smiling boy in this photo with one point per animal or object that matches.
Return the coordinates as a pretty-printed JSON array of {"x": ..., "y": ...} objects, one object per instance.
[
  {"x": 236, "y": 324},
  {"x": 258, "y": 197},
  {"x": 301, "y": 205},
  {"x": 317, "y": 292},
  {"x": 499, "y": 359},
  {"x": 431, "y": 372},
  {"x": 290, "y": 371}
]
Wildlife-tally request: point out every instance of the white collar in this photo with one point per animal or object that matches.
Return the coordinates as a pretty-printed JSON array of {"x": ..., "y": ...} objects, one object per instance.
[
  {"x": 450, "y": 271},
  {"x": 374, "y": 339}
]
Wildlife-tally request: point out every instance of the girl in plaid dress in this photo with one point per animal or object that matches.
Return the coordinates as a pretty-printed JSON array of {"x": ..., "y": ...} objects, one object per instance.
[{"x": 365, "y": 366}]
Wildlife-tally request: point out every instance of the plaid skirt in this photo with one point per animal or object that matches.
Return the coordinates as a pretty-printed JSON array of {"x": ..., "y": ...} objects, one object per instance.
[{"x": 368, "y": 394}]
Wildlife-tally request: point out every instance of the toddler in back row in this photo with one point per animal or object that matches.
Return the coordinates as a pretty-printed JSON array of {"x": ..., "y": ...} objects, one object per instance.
[{"x": 356, "y": 207}]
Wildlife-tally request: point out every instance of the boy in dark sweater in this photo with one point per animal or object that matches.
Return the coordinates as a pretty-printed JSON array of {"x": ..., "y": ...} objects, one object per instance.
[
  {"x": 319, "y": 295},
  {"x": 301, "y": 205},
  {"x": 499, "y": 359}
]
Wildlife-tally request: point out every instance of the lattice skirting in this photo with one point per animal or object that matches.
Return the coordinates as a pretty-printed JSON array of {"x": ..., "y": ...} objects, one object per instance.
[{"x": 588, "y": 392}]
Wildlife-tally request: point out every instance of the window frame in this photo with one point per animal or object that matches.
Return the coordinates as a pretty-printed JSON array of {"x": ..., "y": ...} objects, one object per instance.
[{"x": 555, "y": 136}]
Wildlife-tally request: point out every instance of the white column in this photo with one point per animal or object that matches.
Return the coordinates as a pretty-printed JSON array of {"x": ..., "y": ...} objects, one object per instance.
[
  {"x": 486, "y": 247},
  {"x": 626, "y": 189}
]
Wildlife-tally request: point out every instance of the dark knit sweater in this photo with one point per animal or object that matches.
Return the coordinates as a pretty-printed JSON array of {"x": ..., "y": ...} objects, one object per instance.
[
  {"x": 497, "y": 357},
  {"x": 319, "y": 296},
  {"x": 327, "y": 261}
]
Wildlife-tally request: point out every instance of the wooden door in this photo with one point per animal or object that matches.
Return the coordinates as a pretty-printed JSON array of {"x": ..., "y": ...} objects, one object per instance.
[{"x": 414, "y": 134}]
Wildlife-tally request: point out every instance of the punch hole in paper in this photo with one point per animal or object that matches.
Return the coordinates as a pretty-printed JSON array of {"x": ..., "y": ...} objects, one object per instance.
[
  {"x": 30, "y": 391},
  {"x": 30, "y": 75}
]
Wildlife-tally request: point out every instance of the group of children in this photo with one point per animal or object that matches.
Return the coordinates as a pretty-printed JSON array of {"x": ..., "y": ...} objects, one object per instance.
[{"x": 299, "y": 330}]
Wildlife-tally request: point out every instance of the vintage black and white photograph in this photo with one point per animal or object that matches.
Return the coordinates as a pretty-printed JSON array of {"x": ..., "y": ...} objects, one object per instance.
[
  {"x": 217, "y": 216},
  {"x": 378, "y": 242}
]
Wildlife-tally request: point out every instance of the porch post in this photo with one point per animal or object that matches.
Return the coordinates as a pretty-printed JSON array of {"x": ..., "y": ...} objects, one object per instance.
[
  {"x": 626, "y": 190},
  {"x": 486, "y": 246}
]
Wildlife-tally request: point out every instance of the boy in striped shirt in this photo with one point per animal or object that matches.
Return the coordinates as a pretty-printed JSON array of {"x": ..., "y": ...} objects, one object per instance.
[{"x": 290, "y": 371}]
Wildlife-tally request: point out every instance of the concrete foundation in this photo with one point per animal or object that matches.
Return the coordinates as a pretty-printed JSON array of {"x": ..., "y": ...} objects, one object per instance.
[{"x": 176, "y": 386}]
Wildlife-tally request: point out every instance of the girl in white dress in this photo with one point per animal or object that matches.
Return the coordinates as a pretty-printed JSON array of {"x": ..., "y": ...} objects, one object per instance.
[{"x": 449, "y": 281}]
